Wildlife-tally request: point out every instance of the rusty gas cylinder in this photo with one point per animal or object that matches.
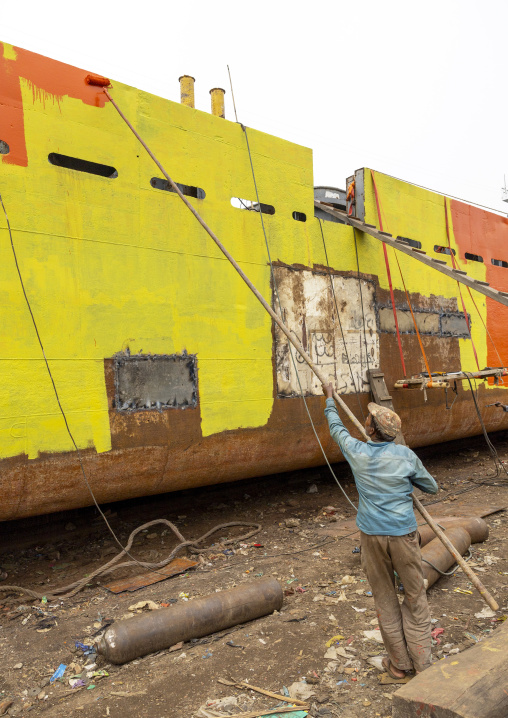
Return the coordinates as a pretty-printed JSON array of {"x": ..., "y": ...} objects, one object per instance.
[
  {"x": 440, "y": 557},
  {"x": 476, "y": 527},
  {"x": 163, "y": 628}
]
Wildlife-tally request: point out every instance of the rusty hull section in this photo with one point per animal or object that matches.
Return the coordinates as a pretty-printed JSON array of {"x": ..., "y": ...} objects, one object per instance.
[{"x": 157, "y": 451}]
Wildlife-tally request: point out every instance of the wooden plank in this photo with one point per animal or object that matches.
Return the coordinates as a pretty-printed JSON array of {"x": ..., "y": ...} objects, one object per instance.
[
  {"x": 471, "y": 684},
  {"x": 133, "y": 583},
  {"x": 458, "y": 274}
]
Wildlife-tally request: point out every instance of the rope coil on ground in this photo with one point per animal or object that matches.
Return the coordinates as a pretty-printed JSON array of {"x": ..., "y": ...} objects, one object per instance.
[{"x": 73, "y": 588}]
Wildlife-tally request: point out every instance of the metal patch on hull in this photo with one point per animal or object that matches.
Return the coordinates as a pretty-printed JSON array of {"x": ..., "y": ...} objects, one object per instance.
[{"x": 308, "y": 308}]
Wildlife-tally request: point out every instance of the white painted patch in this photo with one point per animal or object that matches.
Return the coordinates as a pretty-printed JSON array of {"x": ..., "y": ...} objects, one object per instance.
[{"x": 309, "y": 311}]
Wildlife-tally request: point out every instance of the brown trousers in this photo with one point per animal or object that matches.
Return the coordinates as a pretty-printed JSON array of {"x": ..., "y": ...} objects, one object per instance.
[{"x": 405, "y": 628}]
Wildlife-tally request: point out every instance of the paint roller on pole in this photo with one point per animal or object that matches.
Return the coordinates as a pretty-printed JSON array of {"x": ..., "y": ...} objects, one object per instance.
[{"x": 294, "y": 341}]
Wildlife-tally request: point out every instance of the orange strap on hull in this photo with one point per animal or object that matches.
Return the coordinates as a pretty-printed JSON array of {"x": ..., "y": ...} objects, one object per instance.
[
  {"x": 415, "y": 324},
  {"x": 387, "y": 263},
  {"x": 454, "y": 265}
]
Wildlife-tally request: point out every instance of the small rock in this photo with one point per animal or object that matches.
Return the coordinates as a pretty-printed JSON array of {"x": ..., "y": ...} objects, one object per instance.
[
  {"x": 151, "y": 536},
  {"x": 313, "y": 489},
  {"x": 18, "y": 666},
  {"x": 70, "y": 526},
  {"x": 292, "y": 523}
]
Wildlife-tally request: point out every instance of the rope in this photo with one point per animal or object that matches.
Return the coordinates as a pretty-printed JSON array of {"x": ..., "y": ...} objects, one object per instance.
[
  {"x": 404, "y": 285},
  {"x": 414, "y": 321},
  {"x": 458, "y": 284},
  {"x": 447, "y": 573},
  {"x": 282, "y": 315},
  {"x": 68, "y": 591},
  {"x": 54, "y": 386},
  {"x": 361, "y": 303},
  {"x": 340, "y": 323},
  {"x": 455, "y": 266},
  {"x": 387, "y": 263}
]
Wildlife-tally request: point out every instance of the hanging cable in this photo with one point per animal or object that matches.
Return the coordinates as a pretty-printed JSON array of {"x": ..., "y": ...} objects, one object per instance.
[
  {"x": 340, "y": 323},
  {"x": 466, "y": 317},
  {"x": 361, "y": 303},
  {"x": 414, "y": 321},
  {"x": 125, "y": 551},
  {"x": 455, "y": 266},
  {"x": 493, "y": 451},
  {"x": 387, "y": 264},
  {"x": 272, "y": 274}
]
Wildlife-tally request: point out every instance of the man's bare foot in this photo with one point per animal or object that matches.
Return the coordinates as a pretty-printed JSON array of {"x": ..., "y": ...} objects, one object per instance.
[{"x": 392, "y": 670}]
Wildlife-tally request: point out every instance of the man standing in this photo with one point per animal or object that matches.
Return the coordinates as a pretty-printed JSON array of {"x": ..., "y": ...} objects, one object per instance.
[{"x": 384, "y": 474}]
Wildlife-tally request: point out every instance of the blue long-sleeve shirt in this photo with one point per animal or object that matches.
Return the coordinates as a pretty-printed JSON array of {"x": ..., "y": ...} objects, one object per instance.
[{"x": 384, "y": 474}]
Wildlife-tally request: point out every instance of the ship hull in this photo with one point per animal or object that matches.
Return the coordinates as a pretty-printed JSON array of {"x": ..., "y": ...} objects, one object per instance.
[{"x": 170, "y": 373}]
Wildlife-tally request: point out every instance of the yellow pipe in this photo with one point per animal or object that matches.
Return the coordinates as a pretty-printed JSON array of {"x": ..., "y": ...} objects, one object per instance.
[
  {"x": 217, "y": 94},
  {"x": 187, "y": 90}
]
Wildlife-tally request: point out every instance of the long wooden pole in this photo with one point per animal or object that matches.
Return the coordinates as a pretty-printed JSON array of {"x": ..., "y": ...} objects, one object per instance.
[{"x": 297, "y": 345}]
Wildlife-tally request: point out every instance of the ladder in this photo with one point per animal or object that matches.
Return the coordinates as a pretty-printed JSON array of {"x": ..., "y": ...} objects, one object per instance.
[{"x": 400, "y": 245}]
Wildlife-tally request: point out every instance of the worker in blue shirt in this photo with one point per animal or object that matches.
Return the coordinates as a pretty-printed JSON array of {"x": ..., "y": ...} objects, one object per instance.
[{"x": 385, "y": 474}]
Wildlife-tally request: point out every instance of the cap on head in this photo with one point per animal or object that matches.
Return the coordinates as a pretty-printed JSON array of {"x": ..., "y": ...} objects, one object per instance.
[{"x": 388, "y": 421}]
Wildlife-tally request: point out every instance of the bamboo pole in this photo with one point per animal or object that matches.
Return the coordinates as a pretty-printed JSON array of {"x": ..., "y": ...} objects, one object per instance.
[{"x": 297, "y": 345}]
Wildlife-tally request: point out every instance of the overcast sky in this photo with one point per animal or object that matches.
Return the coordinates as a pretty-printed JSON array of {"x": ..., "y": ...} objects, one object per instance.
[{"x": 413, "y": 89}]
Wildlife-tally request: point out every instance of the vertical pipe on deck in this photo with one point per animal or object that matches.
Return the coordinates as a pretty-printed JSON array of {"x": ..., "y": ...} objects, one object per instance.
[
  {"x": 187, "y": 90},
  {"x": 217, "y": 94}
]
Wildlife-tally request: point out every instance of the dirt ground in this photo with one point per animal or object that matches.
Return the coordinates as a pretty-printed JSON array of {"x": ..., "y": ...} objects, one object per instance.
[{"x": 272, "y": 652}]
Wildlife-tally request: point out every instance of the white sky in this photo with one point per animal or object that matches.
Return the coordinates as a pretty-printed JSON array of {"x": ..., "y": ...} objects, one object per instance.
[{"x": 413, "y": 89}]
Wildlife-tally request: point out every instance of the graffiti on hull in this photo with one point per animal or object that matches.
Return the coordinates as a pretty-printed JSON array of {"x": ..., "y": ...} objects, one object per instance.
[{"x": 344, "y": 344}]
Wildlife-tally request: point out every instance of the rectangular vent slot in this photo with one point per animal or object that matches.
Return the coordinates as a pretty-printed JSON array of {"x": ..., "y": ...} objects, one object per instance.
[
  {"x": 473, "y": 257},
  {"x": 411, "y": 242},
  {"x": 443, "y": 250},
  {"x": 74, "y": 163},
  {"x": 186, "y": 189},
  {"x": 499, "y": 263},
  {"x": 252, "y": 206}
]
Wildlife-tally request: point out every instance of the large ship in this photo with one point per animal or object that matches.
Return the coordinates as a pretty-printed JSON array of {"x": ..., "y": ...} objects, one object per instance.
[{"x": 170, "y": 373}]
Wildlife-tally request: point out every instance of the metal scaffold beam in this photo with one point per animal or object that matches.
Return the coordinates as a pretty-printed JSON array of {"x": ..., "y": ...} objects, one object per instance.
[{"x": 401, "y": 246}]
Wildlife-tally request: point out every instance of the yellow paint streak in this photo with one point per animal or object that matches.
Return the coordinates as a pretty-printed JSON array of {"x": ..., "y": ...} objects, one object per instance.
[
  {"x": 114, "y": 263},
  {"x": 9, "y": 52}
]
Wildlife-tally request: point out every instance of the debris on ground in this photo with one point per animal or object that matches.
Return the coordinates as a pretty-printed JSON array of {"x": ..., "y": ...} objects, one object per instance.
[{"x": 317, "y": 639}]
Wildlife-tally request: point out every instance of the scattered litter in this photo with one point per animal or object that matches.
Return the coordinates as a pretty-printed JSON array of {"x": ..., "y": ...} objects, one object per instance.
[
  {"x": 435, "y": 633},
  {"x": 489, "y": 559},
  {"x": 300, "y": 690},
  {"x": 462, "y": 590},
  {"x": 90, "y": 687},
  {"x": 76, "y": 682},
  {"x": 313, "y": 489},
  {"x": 486, "y": 612},
  {"x": 356, "y": 549},
  {"x": 347, "y": 580},
  {"x": 58, "y": 673},
  {"x": 471, "y": 636},
  {"x": 358, "y": 610},
  {"x": 377, "y": 662},
  {"x": 18, "y": 666},
  {"x": 234, "y": 645},
  {"x": 184, "y": 596},
  {"x": 87, "y": 650},
  {"x": 144, "y": 605},
  {"x": 292, "y": 523},
  {"x": 374, "y": 635},
  {"x": 385, "y": 679},
  {"x": 208, "y": 654},
  {"x": 333, "y": 640}
]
